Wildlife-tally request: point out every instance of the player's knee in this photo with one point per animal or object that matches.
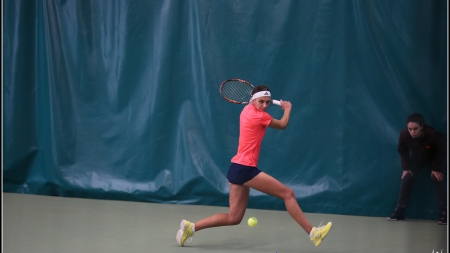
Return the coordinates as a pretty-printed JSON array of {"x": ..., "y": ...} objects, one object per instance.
[
  {"x": 288, "y": 193},
  {"x": 235, "y": 220},
  {"x": 291, "y": 193}
]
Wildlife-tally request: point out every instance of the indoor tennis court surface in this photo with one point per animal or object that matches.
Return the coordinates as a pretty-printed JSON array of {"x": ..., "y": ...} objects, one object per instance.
[{"x": 33, "y": 223}]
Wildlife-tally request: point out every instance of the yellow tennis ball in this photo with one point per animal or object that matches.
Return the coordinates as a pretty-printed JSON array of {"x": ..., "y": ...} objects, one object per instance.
[{"x": 252, "y": 222}]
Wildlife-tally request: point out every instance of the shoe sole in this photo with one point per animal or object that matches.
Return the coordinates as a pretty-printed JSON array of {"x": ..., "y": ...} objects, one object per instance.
[
  {"x": 179, "y": 235},
  {"x": 180, "y": 232}
]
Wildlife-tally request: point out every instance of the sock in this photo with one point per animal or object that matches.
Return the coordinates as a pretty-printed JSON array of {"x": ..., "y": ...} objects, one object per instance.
[{"x": 193, "y": 228}]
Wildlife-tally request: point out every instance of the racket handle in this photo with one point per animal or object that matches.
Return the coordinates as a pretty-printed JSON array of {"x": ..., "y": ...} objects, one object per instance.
[{"x": 276, "y": 102}]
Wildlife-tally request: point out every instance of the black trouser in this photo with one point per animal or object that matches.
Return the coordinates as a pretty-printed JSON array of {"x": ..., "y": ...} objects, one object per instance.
[{"x": 440, "y": 187}]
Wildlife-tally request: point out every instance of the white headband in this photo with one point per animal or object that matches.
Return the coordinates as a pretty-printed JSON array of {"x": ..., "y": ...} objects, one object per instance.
[{"x": 259, "y": 94}]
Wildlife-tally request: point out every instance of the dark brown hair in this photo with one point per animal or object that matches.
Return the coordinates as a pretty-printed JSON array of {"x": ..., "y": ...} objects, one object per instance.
[
  {"x": 260, "y": 88},
  {"x": 416, "y": 118}
]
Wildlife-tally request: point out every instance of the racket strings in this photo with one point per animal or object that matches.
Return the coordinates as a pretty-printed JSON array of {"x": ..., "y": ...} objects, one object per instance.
[{"x": 237, "y": 91}]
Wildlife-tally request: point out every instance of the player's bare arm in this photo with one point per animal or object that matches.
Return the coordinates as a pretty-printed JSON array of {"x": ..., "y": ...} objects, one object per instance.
[{"x": 283, "y": 122}]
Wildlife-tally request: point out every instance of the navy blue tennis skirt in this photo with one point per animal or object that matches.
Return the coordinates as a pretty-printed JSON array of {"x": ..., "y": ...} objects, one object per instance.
[{"x": 239, "y": 174}]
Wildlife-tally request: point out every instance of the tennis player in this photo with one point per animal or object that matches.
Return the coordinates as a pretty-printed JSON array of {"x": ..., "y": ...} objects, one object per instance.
[{"x": 243, "y": 173}]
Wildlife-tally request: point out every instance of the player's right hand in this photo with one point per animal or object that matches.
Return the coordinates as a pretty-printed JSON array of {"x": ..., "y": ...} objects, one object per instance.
[{"x": 285, "y": 105}]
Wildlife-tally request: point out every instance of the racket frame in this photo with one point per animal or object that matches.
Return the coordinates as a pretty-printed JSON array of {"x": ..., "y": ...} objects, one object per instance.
[
  {"x": 273, "y": 101},
  {"x": 238, "y": 80}
]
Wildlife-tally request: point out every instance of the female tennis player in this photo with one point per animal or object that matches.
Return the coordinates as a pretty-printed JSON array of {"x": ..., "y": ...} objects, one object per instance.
[{"x": 243, "y": 173}]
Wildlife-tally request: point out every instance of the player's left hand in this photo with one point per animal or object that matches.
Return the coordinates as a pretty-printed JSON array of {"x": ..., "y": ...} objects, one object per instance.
[{"x": 438, "y": 175}]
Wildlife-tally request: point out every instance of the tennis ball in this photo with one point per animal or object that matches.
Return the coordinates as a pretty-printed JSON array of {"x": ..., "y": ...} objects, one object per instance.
[{"x": 252, "y": 222}]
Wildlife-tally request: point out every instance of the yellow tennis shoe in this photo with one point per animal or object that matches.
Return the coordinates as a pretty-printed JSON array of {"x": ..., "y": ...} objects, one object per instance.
[
  {"x": 319, "y": 233},
  {"x": 185, "y": 232}
]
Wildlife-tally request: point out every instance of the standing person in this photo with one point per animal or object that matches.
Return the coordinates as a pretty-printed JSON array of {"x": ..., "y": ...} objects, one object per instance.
[
  {"x": 243, "y": 173},
  {"x": 419, "y": 145}
]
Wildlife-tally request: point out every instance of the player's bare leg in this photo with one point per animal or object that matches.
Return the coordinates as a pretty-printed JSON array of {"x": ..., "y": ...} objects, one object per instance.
[
  {"x": 238, "y": 203},
  {"x": 269, "y": 185}
]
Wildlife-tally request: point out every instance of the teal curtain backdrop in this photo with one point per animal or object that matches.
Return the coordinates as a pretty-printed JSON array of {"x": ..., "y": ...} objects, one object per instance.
[{"x": 119, "y": 99}]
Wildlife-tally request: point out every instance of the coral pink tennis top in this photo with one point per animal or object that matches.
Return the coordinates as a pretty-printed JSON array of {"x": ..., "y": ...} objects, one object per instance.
[{"x": 253, "y": 124}]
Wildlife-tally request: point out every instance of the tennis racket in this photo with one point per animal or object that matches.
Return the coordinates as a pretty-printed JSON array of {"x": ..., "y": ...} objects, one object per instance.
[{"x": 238, "y": 91}]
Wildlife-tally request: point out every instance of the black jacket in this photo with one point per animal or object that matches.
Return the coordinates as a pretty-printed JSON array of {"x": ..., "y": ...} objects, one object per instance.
[{"x": 430, "y": 148}]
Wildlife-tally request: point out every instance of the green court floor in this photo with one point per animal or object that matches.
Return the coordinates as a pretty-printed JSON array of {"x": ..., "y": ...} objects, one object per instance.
[{"x": 33, "y": 223}]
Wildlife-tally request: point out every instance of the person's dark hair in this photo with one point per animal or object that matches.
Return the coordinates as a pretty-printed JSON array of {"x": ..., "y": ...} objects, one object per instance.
[
  {"x": 416, "y": 118},
  {"x": 260, "y": 88}
]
